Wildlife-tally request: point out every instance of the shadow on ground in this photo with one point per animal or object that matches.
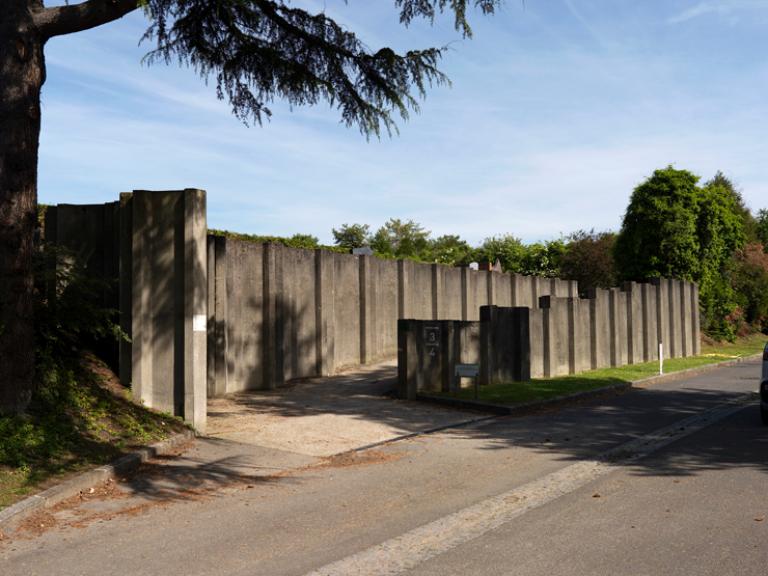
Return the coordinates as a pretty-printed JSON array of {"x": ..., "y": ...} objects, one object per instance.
[{"x": 573, "y": 433}]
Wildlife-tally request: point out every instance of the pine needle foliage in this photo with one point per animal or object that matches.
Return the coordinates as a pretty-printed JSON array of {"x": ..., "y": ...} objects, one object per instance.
[{"x": 259, "y": 50}]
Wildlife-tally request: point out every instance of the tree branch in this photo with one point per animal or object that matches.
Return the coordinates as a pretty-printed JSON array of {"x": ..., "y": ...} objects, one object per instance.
[{"x": 67, "y": 19}]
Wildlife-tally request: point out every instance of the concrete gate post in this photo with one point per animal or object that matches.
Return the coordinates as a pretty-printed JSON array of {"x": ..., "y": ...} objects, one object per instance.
[{"x": 169, "y": 302}]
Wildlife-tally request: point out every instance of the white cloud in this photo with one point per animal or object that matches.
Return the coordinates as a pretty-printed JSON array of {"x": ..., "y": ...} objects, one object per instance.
[{"x": 729, "y": 9}]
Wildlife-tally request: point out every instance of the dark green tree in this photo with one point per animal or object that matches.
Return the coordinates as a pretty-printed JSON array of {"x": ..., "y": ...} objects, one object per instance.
[
  {"x": 750, "y": 283},
  {"x": 351, "y": 236},
  {"x": 658, "y": 236},
  {"x": 543, "y": 258},
  {"x": 449, "y": 249},
  {"x": 589, "y": 259},
  {"x": 674, "y": 228},
  {"x": 507, "y": 249},
  {"x": 720, "y": 230},
  {"x": 761, "y": 228},
  {"x": 398, "y": 239},
  {"x": 749, "y": 224},
  {"x": 253, "y": 51}
]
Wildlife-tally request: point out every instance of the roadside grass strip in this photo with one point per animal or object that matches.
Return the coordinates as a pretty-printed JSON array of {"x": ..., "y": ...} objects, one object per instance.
[{"x": 547, "y": 388}]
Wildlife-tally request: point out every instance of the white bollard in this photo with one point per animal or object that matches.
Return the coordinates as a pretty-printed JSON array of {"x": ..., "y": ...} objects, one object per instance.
[{"x": 661, "y": 358}]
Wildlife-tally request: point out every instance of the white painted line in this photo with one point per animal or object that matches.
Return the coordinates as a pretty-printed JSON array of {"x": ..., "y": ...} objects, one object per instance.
[{"x": 410, "y": 549}]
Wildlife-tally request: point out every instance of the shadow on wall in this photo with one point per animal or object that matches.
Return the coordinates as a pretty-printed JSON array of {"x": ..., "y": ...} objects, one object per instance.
[{"x": 262, "y": 330}]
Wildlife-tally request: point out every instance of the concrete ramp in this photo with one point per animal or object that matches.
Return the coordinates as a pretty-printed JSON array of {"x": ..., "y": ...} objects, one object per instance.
[{"x": 325, "y": 416}]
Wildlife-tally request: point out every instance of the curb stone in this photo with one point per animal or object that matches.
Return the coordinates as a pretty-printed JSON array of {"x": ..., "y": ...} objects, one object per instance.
[
  {"x": 505, "y": 410},
  {"x": 90, "y": 479},
  {"x": 672, "y": 376}
]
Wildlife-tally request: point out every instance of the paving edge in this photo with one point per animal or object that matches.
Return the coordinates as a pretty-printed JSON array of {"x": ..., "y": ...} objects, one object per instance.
[
  {"x": 505, "y": 410},
  {"x": 89, "y": 479}
]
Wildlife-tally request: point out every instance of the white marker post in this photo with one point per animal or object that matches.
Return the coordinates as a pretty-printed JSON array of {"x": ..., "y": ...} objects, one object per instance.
[{"x": 661, "y": 358}]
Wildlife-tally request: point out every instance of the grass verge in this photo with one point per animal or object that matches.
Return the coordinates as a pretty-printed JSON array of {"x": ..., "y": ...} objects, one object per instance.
[
  {"x": 544, "y": 389},
  {"x": 80, "y": 416}
]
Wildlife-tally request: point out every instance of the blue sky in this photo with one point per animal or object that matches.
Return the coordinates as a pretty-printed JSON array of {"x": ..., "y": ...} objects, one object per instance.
[{"x": 558, "y": 109}]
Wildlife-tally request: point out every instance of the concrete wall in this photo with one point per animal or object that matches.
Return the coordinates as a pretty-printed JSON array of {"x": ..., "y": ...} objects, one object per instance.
[
  {"x": 568, "y": 335},
  {"x": 92, "y": 233},
  {"x": 211, "y": 316},
  {"x": 278, "y": 313},
  {"x": 150, "y": 248}
]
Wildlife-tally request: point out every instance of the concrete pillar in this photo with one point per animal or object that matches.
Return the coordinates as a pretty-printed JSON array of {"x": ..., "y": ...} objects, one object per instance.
[
  {"x": 673, "y": 299},
  {"x": 488, "y": 326},
  {"x": 369, "y": 289},
  {"x": 618, "y": 327},
  {"x": 125, "y": 286},
  {"x": 634, "y": 322},
  {"x": 535, "y": 292},
  {"x": 438, "y": 292},
  {"x": 218, "y": 311},
  {"x": 465, "y": 288},
  {"x": 556, "y": 329},
  {"x": 274, "y": 327},
  {"x": 407, "y": 361},
  {"x": 489, "y": 282},
  {"x": 696, "y": 319},
  {"x": 599, "y": 328},
  {"x": 515, "y": 281},
  {"x": 169, "y": 302},
  {"x": 686, "y": 319},
  {"x": 536, "y": 324},
  {"x": 450, "y": 352},
  {"x": 324, "y": 312},
  {"x": 405, "y": 288},
  {"x": 195, "y": 308},
  {"x": 650, "y": 342},
  {"x": 662, "y": 315},
  {"x": 505, "y": 343},
  {"x": 578, "y": 335}
]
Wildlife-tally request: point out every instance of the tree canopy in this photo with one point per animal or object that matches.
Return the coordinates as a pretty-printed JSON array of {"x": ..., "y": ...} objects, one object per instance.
[
  {"x": 675, "y": 228},
  {"x": 252, "y": 51}
]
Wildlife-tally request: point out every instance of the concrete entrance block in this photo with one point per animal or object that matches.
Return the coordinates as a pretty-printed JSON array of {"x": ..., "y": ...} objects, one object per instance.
[{"x": 169, "y": 302}]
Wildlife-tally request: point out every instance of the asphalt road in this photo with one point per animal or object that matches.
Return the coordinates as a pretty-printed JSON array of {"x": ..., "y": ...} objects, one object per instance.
[{"x": 668, "y": 480}]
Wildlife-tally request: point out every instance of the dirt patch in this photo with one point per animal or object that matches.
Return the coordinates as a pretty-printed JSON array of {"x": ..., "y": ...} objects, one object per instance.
[{"x": 363, "y": 458}]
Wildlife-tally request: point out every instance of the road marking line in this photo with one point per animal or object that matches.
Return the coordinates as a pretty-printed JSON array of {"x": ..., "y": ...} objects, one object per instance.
[{"x": 406, "y": 551}]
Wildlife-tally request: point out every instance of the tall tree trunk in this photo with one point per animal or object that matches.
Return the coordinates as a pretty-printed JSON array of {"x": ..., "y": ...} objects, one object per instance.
[{"x": 22, "y": 73}]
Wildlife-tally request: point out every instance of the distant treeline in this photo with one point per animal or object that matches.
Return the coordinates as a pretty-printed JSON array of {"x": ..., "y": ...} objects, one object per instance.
[{"x": 673, "y": 227}]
